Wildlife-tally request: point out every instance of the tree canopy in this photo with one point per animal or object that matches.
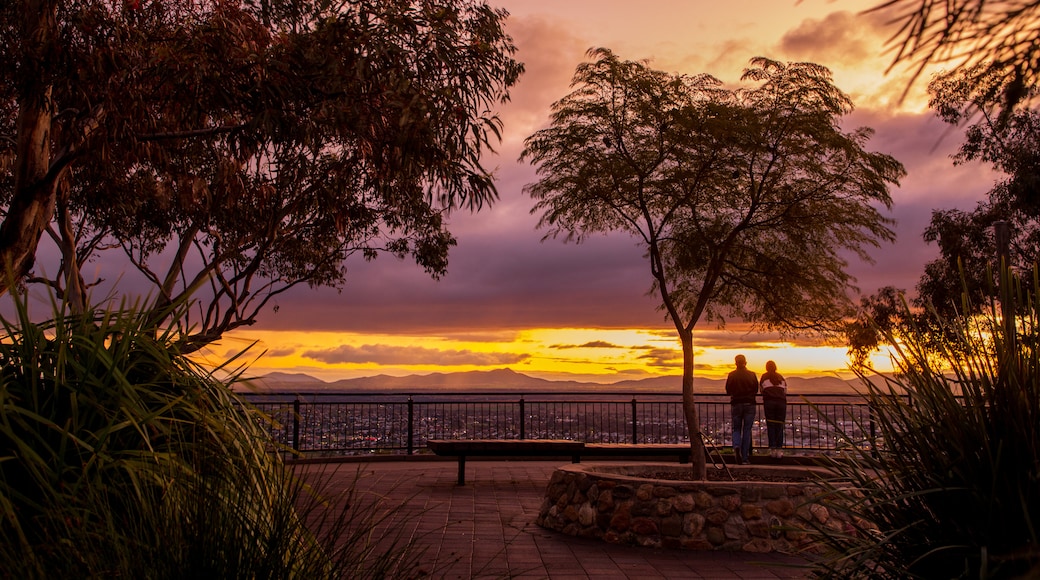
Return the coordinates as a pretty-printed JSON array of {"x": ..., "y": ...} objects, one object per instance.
[
  {"x": 963, "y": 279},
  {"x": 748, "y": 201},
  {"x": 234, "y": 150}
]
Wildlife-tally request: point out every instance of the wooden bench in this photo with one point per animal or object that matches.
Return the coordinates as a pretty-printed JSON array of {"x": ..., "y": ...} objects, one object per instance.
[{"x": 463, "y": 448}]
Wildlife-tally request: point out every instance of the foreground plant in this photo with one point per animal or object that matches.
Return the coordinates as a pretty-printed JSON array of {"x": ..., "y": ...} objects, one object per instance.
[
  {"x": 121, "y": 458},
  {"x": 953, "y": 486}
]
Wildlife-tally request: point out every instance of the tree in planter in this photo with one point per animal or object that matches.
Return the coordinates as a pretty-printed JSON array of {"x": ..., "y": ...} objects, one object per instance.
[
  {"x": 745, "y": 200},
  {"x": 235, "y": 151}
]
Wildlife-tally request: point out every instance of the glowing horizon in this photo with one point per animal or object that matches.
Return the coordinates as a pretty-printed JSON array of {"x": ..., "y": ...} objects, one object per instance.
[{"x": 589, "y": 355}]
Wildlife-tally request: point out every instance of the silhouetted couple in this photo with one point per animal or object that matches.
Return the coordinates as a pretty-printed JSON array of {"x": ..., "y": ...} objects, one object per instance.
[{"x": 742, "y": 386}]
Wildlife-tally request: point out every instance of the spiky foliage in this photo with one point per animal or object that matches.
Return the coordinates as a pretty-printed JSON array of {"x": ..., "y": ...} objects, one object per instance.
[
  {"x": 952, "y": 489},
  {"x": 121, "y": 458}
]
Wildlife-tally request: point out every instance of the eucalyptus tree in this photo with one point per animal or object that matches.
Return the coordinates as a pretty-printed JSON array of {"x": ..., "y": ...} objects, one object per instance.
[
  {"x": 235, "y": 150},
  {"x": 747, "y": 201}
]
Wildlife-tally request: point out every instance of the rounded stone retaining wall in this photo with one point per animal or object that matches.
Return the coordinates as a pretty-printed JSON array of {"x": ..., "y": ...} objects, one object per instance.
[{"x": 603, "y": 500}]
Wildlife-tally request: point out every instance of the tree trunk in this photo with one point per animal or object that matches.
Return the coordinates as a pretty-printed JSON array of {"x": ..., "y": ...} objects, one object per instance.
[
  {"x": 75, "y": 288},
  {"x": 32, "y": 205},
  {"x": 693, "y": 422}
]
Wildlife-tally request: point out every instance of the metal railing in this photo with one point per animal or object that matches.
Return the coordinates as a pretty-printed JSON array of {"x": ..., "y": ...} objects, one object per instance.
[{"x": 331, "y": 424}]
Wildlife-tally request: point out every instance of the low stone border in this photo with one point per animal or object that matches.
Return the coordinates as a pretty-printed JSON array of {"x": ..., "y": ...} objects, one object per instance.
[{"x": 604, "y": 500}]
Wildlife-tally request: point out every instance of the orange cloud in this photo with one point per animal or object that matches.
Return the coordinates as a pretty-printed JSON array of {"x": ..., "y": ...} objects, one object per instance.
[
  {"x": 400, "y": 355},
  {"x": 838, "y": 39},
  {"x": 549, "y": 52}
]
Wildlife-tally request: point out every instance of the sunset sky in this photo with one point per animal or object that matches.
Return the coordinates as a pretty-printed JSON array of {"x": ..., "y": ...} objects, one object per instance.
[{"x": 557, "y": 310}]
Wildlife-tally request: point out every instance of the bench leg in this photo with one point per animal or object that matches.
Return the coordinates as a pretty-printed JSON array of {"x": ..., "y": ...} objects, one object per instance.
[{"x": 462, "y": 470}]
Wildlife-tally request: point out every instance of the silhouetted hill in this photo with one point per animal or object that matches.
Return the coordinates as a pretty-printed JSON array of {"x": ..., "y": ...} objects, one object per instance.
[
  {"x": 277, "y": 377},
  {"x": 510, "y": 380}
]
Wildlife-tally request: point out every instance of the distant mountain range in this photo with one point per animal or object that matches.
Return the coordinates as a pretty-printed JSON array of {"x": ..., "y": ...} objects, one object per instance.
[{"x": 510, "y": 380}]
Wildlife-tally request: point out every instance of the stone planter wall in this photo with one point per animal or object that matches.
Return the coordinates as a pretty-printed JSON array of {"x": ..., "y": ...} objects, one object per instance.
[{"x": 601, "y": 500}]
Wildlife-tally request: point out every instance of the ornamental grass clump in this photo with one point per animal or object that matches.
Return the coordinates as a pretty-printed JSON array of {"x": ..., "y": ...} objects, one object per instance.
[
  {"x": 951, "y": 488},
  {"x": 121, "y": 458}
]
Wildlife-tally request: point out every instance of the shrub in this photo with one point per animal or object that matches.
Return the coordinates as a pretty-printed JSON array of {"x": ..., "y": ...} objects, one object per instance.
[
  {"x": 121, "y": 458},
  {"x": 953, "y": 488}
]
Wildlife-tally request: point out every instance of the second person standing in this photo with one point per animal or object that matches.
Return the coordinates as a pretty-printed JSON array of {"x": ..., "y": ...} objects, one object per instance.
[{"x": 774, "y": 402}]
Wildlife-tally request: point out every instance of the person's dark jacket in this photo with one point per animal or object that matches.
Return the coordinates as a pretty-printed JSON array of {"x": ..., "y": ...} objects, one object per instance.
[{"x": 741, "y": 386}]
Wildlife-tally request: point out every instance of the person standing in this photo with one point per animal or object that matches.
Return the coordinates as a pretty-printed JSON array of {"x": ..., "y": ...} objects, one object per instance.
[
  {"x": 742, "y": 386},
  {"x": 774, "y": 401}
]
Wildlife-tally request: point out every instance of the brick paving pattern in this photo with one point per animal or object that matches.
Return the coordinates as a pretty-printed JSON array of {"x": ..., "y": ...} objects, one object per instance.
[{"x": 486, "y": 528}]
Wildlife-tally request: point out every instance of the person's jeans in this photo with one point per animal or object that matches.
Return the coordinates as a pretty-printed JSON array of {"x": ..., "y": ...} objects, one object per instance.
[
  {"x": 776, "y": 415},
  {"x": 743, "y": 417}
]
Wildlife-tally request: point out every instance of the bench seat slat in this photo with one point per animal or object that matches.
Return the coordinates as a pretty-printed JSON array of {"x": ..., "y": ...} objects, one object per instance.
[
  {"x": 461, "y": 448},
  {"x": 505, "y": 446},
  {"x": 495, "y": 447}
]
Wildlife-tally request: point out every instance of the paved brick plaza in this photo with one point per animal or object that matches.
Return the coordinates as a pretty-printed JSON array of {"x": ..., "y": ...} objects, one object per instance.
[{"x": 486, "y": 528}]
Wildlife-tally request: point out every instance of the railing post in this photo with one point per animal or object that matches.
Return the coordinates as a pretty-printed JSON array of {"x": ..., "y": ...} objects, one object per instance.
[
  {"x": 411, "y": 425},
  {"x": 635, "y": 437},
  {"x": 523, "y": 419},
  {"x": 296, "y": 424}
]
